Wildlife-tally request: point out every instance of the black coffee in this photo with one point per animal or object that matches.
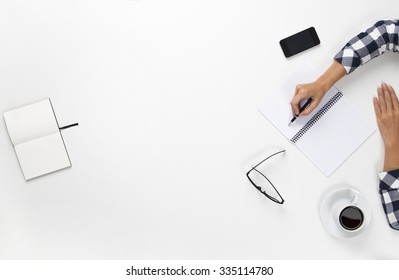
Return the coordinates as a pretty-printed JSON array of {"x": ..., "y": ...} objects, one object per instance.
[{"x": 351, "y": 218}]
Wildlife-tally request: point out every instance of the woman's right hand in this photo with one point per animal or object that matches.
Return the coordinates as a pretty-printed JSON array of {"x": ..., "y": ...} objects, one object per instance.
[
  {"x": 304, "y": 92},
  {"x": 317, "y": 89}
]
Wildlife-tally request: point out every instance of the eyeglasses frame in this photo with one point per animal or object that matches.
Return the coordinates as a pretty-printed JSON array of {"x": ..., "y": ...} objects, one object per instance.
[{"x": 281, "y": 201}]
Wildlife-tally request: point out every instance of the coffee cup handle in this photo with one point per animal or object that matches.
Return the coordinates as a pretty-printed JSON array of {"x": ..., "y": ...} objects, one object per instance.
[{"x": 355, "y": 199}]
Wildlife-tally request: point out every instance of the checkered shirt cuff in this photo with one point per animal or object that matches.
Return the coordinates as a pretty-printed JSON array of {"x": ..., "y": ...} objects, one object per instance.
[
  {"x": 382, "y": 36},
  {"x": 348, "y": 58},
  {"x": 389, "y": 190}
]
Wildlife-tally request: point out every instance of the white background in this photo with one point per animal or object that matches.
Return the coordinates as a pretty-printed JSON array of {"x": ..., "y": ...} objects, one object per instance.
[{"x": 166, "y": 96}]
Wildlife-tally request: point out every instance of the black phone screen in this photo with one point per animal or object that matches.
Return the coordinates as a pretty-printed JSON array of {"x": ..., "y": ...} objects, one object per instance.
[{"x": 299, "y": 42}]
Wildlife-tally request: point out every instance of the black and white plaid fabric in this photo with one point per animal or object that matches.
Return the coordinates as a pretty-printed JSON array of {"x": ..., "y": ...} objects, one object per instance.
[
  {"x": 389, "y": 190},
  {"x": 382, "y": 36}
]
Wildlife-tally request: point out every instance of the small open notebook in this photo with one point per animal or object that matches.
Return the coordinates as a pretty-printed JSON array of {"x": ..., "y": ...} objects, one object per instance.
[
  {"x": 330, "y": 134},
  {"x": 37, "y": 140}
]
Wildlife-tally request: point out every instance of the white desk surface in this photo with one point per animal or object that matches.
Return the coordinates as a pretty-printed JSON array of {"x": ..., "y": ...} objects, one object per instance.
[{"x": 166, "y": 96}]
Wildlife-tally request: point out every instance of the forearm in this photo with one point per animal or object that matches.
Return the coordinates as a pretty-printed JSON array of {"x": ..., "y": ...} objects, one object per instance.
[
  {"x": 391, "y": 158},
  {"x": 332, "y": 75}
]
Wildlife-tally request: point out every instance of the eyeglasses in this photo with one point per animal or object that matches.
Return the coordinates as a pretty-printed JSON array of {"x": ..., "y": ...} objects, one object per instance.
[{"x": 263, "y": 184}]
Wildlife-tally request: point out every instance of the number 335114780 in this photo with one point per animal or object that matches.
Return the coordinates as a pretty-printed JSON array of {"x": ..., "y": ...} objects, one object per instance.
[{"x": 235, "y": 270}]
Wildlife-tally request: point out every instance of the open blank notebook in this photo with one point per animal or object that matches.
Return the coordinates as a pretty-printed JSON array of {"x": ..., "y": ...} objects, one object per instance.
[
  {"x": 37, "y": 140},
  {"x": 330, "y": 134}
]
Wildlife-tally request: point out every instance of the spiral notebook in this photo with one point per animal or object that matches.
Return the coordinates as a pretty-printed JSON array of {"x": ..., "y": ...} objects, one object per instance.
[{"x": 330, "y": 134}]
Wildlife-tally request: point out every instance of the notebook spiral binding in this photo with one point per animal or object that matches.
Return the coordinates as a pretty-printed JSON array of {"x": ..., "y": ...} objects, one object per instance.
[{"x": 316, "y": 117}]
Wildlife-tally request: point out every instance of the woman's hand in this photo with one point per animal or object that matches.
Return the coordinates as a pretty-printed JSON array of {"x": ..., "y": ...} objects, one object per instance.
[
  {"x": 386, "y": 108},
  {"x": 304, "y": 92},
  {"x": 317, "y": 89}
]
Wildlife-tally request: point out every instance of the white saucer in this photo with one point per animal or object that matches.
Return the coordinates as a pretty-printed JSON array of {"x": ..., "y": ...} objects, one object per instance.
[{"x": 333, "y": 201}]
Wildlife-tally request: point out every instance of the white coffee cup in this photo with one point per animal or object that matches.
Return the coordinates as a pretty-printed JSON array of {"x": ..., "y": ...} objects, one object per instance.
[{"x": 351, "y": 217}]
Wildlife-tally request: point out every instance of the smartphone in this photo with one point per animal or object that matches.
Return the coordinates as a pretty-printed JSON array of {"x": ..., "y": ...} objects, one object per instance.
[{"x": 299, "y": 42}]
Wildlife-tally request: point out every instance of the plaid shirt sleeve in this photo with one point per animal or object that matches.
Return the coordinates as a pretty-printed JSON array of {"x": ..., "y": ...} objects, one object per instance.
[
  {"x": 382, "y": 36},
  {"x": 389, "y": 190}
]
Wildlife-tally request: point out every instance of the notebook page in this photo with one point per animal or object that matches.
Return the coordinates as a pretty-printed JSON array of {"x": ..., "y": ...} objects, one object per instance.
[
  {"x": 335, "y": 136},
  {"x": 42, "y": 155},
  {"x": 30, "y": 122}
]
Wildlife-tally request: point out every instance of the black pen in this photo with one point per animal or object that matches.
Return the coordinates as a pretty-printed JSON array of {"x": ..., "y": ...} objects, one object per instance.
[{"x": 306, "y": 105}]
